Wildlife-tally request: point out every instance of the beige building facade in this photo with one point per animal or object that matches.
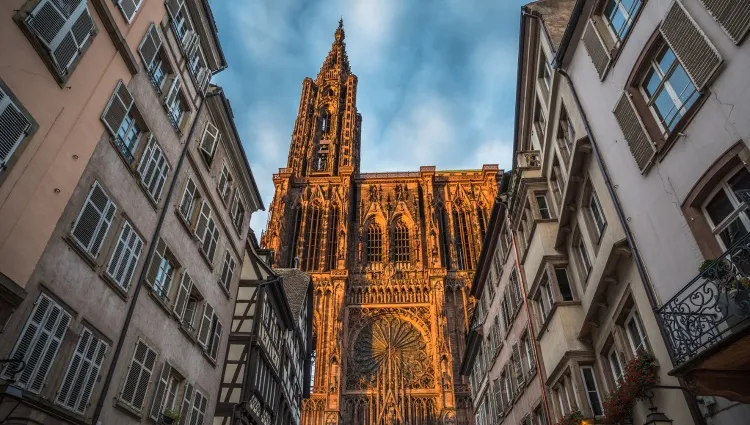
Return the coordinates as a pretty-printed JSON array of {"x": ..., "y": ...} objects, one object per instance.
[{"x": 125, "y": 308}]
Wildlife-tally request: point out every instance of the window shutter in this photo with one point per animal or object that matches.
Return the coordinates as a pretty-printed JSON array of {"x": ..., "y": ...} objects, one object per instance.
[
  {"x": 186, "y": 404},
  {"x": 733, "y": 15},
  {"x": 639, "y": 141},
  {"x": 146, "y": 156},
  {"x": 125, "y": 257},
  {"x": 183, "y": 293},
  {"x": 174, "y": 91},
  {"x": 129, "y": 8},
  {"x": 138, "y": 376},
  {"x": 203, "y": 218},
  {"x": 153, "y": 169},
  {"x": 209, "y": 140},
  {"x": 595, "y": 48},
  {"x": 157, "y": 404},
  {"x": 199, "y": 409},
  {"x": 93, "y": 222},
  {"x": 227, "y": 270},
  {"x": 696, "y": 53},
  {"x": 14, "y": 126},
  {"x": 211, "y": 240},
  {"x": 188, "y": 198},
  {"x": 205, "y": 328},
  {"x": 204, "y": 77},
  {"x": 83, "y": 372},
  {"x": 216, "y": 337},
  {"x": 62, "y": 31},
  {"x": 118, "y": 108},
  {"x": 159, "y": 253},
  {"x": 150, "y": 46},
  {"x": 174, "y": 6}
]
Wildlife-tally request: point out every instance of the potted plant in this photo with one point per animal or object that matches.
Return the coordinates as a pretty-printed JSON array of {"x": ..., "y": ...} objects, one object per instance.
[
  {"x": 169, "y": 416},
  {"x": 573, "y": 418},
  {"x": 640, "y": 377}
]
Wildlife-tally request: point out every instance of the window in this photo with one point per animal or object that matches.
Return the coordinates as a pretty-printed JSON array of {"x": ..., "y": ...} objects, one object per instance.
[
  {"x": 38, "y": 343},
  {"x": 464, "y": 240},
  {"x": 141, "y": 367},
  {"x": 539, "y": 417},
  {"x": 214, "y": 338},
  {"x": 311, "y": 259},
  {"x": 125, "y": 256},
  {"x": 162, "y": 270},
  {"x": 619, "y": 15},
  {"x": 557, "y": 180},
  {"x": 190, "y": 198},
  {"x": 583, "y": 258},
  {"x": 636, "y": 336},
  {"x": 545, "y": 71},
  {"x": 561, "y": 273},
  {"x": 515, "y": 287},
  {"x": 181, "y": 23},
  {"x": 155, "y": 64},
  {"x": 207, "y": 231},
  {"x": 592, "y": 391},
  {"x": 528, "y": 351},
  {"x": 401, "y": 242},
  {"x": 726, "y": 211},
  {"x": 225, "y": 183},
  {"x": 165, "y": 394},
  {"x": 121, "y": 119},
  {"x": 174, "y": 103},
  {"x": 227, "y": 271},
  {"x": 597, "y": 214},
  {"x": 563, "y": 397},
  {"x": 615, "y": 365},
  {"x": 541, "y": 201},
  {"x": 94, "y": 220},
  {"x": 546, "y": 300},
  {"x": 565, "y": 134},
  {"x": 197, "y": 65},
  {"x": 668, "y": 90},
  {"x": 191, "y": 314},
  {"x": 237, "y": 211},
  {"x": 83, "y": 372},
  {"x": 293, "y": 259},
  {"x": 374, "y": 243},
  {"x": 129, "y": 8},
  {"x": 209, "y": 140},
  {"x": 481, "y": 218},
  {"x": 332, "y": 238},
  {"x": 153, "y": 169},
  {"x": 183, "y": 297},
  {"x": 64, "y": 29},
  {"x": 198, "y": 413},
  {"x": 187, "y": 403},
  {"x": 540, "y": 119},
  {"x": 445, "y": 248},
  {"x": 16, "y": 126}
]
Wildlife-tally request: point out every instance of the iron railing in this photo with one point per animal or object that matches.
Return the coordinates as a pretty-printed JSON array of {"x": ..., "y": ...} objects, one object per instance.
[
  {"x": 124, "y": 149},
  {"x": 713, "y": 306}
]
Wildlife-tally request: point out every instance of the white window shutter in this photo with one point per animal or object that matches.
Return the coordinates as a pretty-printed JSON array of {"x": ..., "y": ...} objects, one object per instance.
[
  {"x": 205, "y": 328},
  {"x": 183, "y": 293},
  {"x": 211, "y": 240},
  {"x": 14, "y": 126},
  {"x": 187, "y": 404},
  {"x": 129, "y": 8},
  {"x": 157, "y": 405},
  {"x": 153, "y": 169},
  {"x": 209, "y": 139},
  {"x": 188, "y": 200},
  {"x": 595, "y": 48},
  {"x": 125, "y": 256},
  {"x": 199, "y": 409},
  {"x": 174, "y": 7},
  {"x": 203, "y": 219},
  {"x": 62, "y": 31},
  {"x": 149, "y": 48},
  {"x": 146, "y": 156},
  {"x": 83, "y": 372},
  {"x": 118, "y": 108},
  {"x": 694, "y": 50},
  {"x": 159, "y": 254},
  {"x": 138, "y": 376},
  {"x": 733, "y": 15},
  {"x": 639, "y": 141},
  {"x": 94, "y": 220},
  {"x": 216, "y": 340},
  {"x": 174, "y": 91}
]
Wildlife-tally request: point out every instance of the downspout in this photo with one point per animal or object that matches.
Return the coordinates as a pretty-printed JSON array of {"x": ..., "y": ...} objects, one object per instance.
[
  {"x": 640, "y": 266},
  {"x": 532, "y": 331},
  {"x": 144, "y": 270}
]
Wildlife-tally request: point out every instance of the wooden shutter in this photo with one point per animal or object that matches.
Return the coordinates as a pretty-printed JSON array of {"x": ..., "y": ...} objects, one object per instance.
[
  {"x": 174, "y": 91},
  {"x": 694, "y": 50},
  {"x": 227, "y": 270},
  {"x": 639, "y": 141},
  {"x": 14, "y": 126},
  {"x": 83, "y": 372},
  {"x": 183, "y": 293},
  {"x": 216, "y": 340},
  {"x": 187, "y": 403},
  {"x": 209, "y": 140},
  {"x": 138, "y": 375},
  {"x": 125, "y": 256},
  {"x": 94, "y": 219},
  {"x": 203, "y": 218},
  {"x": 129, "y": 8},
  {"x": 188, "y": 198},
  {"x": 595, "y": 48},
  {"x": 159, "y": 253},
  {"x": 38, "y": 343},
  {"x": 62, "y": 31},
  {"x": 149, "y": 48},
  {"x": 211, "y": 240},
  {"x": 174, "y": 7},
  {"x": 157, "y": 405},
  {"x": 205, "y": 329},
  {"x": 153, "y": 169},
  {"x": 733, "y": 15},
  {"x": 517, "y": 365},
  {"x": 199, "y": 409},
  {"x": 118, "y": 108}
]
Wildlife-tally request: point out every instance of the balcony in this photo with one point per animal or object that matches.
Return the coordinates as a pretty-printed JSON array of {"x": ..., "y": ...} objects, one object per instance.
[{"x": 706, "y": 327}]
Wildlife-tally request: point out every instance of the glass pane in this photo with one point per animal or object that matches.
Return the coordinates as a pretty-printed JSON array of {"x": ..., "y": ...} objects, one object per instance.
[
  {"x": 665, "y": 60},
  {"x": 719, "y": 207},
  {"x": 651, "y": 83},
  {"x": 665, "y": 108},
  {"x": 733, "y": 232},
  {"x": 681, "y": 83},
  {"x": 740, "y": 181},
  {"x": 564, "y": 284}
]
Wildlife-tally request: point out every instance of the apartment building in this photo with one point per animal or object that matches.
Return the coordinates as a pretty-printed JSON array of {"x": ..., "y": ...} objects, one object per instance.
[
  {"x": 267, "y": 369},
  {"x": 124, "y": 317},
  {"x": 588, "y": 310},
  {"x": 664, "y": 86}
]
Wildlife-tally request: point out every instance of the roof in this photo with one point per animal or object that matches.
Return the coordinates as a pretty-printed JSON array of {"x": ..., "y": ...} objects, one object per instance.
[
  {"x": 555, "y": 15},
  {"x": 296, "y": 284}
]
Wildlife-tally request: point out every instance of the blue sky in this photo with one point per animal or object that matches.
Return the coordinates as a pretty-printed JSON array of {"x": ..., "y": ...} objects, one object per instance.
[{"x": 436, "y": 78}]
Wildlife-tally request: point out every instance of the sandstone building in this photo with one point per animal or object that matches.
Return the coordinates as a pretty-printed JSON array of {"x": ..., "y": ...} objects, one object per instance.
[{"x": 391, "y": 257}]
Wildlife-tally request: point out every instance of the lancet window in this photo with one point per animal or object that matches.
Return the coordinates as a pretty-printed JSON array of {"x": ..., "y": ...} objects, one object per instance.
[
  {"x": 374, "y": 243},
  {"x": 482, "y": 218},
  {"x": 464, "y": 240},
  {"x": 295, "y": 237},
  {"x": 445, "y": 251},
  {"x": 314, "y": 230},
  {"x": 401, "y": 242},
  {"x": 332, "y": 245}
]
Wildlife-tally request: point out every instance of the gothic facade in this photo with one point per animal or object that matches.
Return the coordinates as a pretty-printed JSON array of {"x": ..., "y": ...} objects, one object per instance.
[{"x": 391, "y": 256}]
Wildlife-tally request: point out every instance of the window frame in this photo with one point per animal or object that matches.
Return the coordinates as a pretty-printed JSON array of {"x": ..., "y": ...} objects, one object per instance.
[
  {"x": 589, "y": 391},
  {"x": 635, "y": 318},
  {"x": 740, "y": 208},
  {"x": 9, "y": 100}
]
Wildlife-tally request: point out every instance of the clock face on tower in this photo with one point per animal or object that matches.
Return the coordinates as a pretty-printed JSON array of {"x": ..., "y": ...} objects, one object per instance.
[{"x": 391, "y": 256}]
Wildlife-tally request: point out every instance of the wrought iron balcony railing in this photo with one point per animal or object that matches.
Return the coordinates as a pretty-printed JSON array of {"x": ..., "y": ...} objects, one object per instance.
[
  {"x": 713, "y": 306},
  {"x": 124, "y": 149}
]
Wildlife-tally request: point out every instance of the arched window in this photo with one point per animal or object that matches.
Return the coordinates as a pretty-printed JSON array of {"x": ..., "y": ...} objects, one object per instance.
[
  {"x": 325, "y": 121},
  {"x": 333, "y": 240},
  {"x": 295, "y": 237},
  {"x": 311, "y": 260},
  {"x": 401, "y": 243},
  {"x": 445, "y": 251},
  {"x": 482, "y": 222},
  {"x": 374, "y": 243},
  {"x": 464, "y": 240}
]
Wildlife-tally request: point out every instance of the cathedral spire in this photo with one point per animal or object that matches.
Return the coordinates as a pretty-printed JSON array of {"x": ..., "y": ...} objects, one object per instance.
[{"x": 337, "y": 60}]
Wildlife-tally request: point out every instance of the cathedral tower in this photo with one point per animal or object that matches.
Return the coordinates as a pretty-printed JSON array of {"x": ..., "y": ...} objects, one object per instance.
[{"x": 391, "y": 256}]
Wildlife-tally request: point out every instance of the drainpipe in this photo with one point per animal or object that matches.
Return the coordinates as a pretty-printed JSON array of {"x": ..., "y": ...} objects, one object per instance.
[
  {"x": 640, "y": 266},
  {"x": 144, "y": 270}
]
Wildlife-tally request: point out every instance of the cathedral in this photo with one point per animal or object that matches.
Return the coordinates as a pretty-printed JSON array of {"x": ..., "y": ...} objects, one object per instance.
[{"x": 391, "y": 256}]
